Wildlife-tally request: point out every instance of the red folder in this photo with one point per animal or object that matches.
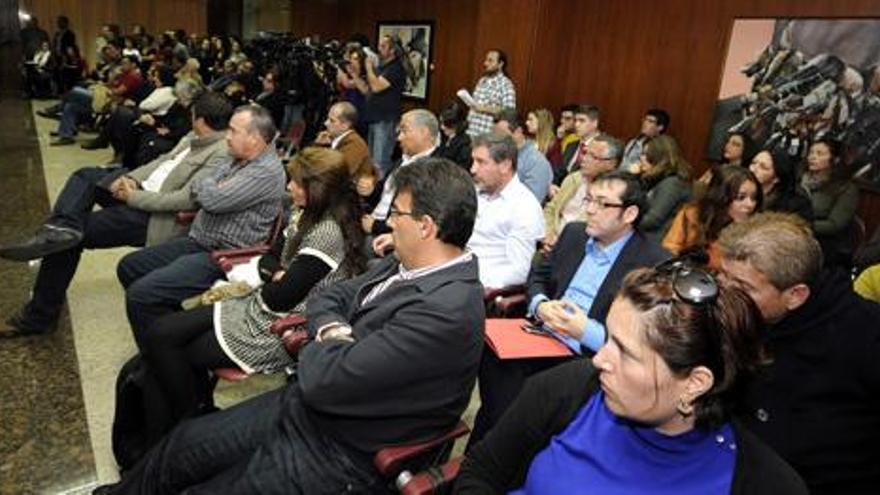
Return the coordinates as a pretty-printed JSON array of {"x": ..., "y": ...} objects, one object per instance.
[{"x": 509, "y": 341}]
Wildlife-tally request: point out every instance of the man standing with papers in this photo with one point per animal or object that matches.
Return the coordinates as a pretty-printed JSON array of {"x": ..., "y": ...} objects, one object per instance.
[
  {"x": 571, "y": 290},
  {"x": 494, "y": 92}
]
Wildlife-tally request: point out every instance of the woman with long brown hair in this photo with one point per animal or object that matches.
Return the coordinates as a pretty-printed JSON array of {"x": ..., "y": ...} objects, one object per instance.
[{"x": 322, "y": 245}]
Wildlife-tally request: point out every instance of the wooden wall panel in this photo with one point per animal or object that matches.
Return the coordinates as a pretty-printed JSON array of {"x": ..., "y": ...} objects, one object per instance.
[
  {"x": 86, "y": 17},
  {"x": 625, "y": 55}
]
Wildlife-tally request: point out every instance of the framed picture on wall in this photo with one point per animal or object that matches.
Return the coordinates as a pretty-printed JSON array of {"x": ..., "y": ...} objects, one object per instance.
[
  {"x": 416, "y": 39},
  {"x": 790, "y": 82}
]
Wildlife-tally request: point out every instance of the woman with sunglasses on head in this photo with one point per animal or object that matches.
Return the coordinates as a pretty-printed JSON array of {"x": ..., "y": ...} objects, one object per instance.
[
  {"x": 733, "y": 195},
  {"x": 650, "y": 413},
  {"x": 322, "y": 245},
  {"x": 776, "y": 174}
]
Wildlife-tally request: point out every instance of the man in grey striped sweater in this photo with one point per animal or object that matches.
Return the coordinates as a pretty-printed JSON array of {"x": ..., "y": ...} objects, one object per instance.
[{"x": 238, "y": 207}]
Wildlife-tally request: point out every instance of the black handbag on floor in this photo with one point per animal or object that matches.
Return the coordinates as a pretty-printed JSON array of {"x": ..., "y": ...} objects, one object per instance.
[{"x": 141, "y": 416}]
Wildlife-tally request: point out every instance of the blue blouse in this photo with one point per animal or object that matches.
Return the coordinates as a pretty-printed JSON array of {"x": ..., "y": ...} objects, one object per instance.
[{"x": 603, "y": 454}]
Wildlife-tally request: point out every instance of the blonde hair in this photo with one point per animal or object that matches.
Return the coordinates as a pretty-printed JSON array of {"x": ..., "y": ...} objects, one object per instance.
[{"x": 545, "y": 135}]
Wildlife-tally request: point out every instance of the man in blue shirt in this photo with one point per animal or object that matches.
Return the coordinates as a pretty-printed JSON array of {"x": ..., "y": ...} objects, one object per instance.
[
  {"x": 571, "y": 290},
  {"x": 532, "y": 167}
]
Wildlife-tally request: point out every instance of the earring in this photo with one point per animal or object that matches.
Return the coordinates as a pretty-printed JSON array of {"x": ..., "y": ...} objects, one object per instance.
[{"x": 684, "y": 408}]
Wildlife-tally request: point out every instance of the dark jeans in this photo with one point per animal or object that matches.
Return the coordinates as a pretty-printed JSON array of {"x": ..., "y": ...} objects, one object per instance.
[
  {"x": 113, "y": 226},
  {"x": 180, "y": 349},
  {"x": 265, "y": 445},
  {"x": 158, "y": 278},
  {"x": 501, "y": 380},
  {"x": 79, "y": 196}
]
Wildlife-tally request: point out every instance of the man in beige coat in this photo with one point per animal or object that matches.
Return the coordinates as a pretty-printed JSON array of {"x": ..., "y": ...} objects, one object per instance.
[{"x": 138, "y": 208}]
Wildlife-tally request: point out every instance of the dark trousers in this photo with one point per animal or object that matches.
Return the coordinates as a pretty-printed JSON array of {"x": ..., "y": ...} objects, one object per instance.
[
  {"x": 113, "y": 226},
  {"x": 157, "y": 278},
  {"x": 266, "y": 445},
  {"x": 501, "y": 380},
  {"x": 180, "y": 349},
  {"x": 79, "y": 196}
]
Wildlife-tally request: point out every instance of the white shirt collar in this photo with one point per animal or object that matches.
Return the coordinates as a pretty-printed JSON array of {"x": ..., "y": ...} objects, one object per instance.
[{"x": 335, "y": 143}]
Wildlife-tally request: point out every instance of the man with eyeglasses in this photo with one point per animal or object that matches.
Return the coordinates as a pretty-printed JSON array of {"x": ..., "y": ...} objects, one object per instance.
[
  {"x": 654, "y": 123},
  {"x": 570, "y": 292},
  {"x": 419, "y": 136},
  {"x": 815, "y": 401},
  {"x": 601, "y": 155}
]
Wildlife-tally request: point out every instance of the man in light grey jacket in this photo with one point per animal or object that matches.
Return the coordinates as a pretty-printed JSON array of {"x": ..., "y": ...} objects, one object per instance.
[{"x": 138, "y": 208}]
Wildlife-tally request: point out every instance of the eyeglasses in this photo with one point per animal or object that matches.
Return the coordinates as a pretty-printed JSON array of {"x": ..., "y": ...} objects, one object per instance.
[
  {"x": 601, "y": 204},
  {"x": 598, "y": 158},
  {"x": 691, "y": 284},
  {"x": 394, "y": 212}
]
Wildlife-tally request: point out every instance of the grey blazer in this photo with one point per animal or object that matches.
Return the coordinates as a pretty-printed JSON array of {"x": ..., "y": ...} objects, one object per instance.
[{"x": 174, "y": 194}]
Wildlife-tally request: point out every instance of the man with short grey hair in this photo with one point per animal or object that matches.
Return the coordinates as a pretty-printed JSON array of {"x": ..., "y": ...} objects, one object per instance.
[
  {"x": 239, "y": 204},
  {"x": 419, "y": 136}
]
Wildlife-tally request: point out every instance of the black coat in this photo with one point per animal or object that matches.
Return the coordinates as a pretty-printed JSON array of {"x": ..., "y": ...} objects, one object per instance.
[
  {"x": 457, "y": 149},
  {"x": 410, "y": 372},
  {"x": 818, "y": 403},
  {"x": 550, "y": 401}
]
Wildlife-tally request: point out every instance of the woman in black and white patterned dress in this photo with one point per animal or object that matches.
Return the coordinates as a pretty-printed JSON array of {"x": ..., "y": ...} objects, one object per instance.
[{"x": 322, "y": 245}]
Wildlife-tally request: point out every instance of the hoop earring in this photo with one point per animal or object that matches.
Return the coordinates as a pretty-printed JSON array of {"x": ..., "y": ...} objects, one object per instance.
[{"x": 684, "y": 408}]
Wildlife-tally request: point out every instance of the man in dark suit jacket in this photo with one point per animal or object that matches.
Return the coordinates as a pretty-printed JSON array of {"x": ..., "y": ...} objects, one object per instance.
[
  {"x": 394, "y": 361},
  {"x": 571, "y": 290}
]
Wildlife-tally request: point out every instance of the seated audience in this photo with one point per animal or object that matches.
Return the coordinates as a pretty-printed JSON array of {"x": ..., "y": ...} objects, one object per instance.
[
  {"x": 39, "y": 72},
  {"x": 322, "y": 245},
  {"x": 239, "y": 204},
  {"x": 654, "y": 123},
  {"x": 602, "y": 155},
  {"x": 418, "y": 135},
  {"x": 340, "y": 135},
  {"x": 72, "y": 69},
  {"x": 667, "y": 178},
  {"x": 155, "y": 134},
  {"x": 586, "y": 127},
  {"x": 570, "y": 290},
  {"x": 128, "y": 84},
  {"x": 508, "y": 224},
  {"x": 776, "y": 175},
  {"x": 394, "y": 361},
  {"x": 123, "y": 118},
  {"x": 835, "y": 199},
  {"x": 455, "y": 144},
  {"x": 815, "y": 400},
  {"x": 532, "y": 167},
  {"x": 137, "y": 209},
  {"x": 733, "y": 195},
  {"x": 540, "y": 127},
  {"x": 651, "y": 413}
]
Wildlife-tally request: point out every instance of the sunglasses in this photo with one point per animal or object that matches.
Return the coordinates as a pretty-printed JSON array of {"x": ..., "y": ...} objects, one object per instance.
[{"x": 690, "y": 283}]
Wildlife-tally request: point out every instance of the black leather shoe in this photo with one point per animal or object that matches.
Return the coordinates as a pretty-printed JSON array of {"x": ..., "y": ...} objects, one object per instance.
[
  {"x": 49, "y": 239},
  {"x": 18, "y": 326},
  {"x": 94, "y": 144},
  {"x": 62, "y": 141},
  {"x": 49, "y": 114}
]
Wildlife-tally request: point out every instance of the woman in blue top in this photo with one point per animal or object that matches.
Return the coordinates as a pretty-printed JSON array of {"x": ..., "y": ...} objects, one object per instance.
[{"x": 650, "y": 414}]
